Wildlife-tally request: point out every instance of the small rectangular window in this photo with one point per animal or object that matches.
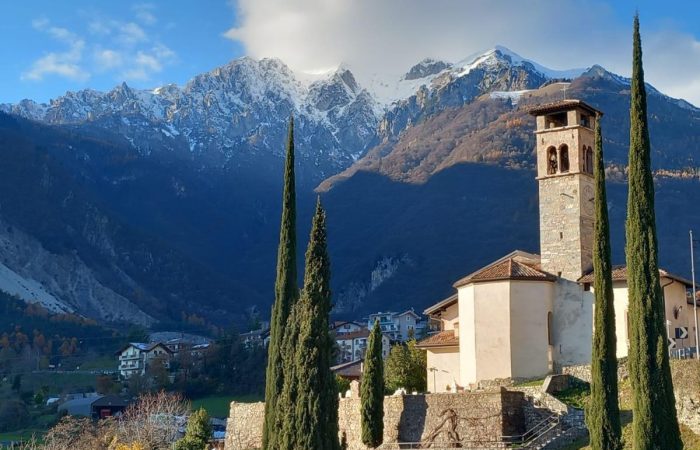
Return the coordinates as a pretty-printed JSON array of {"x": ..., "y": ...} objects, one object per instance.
[{"x": 586, "y": 287}]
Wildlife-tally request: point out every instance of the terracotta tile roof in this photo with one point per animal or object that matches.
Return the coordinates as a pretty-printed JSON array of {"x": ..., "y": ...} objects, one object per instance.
[
  {"x": 352, "y": 335},
  {"x": 619, "y": 273},
  {"x": 442, "y": 339},
  {"x": 514, "y": 266},
  {"x": 561, "y": 105}
]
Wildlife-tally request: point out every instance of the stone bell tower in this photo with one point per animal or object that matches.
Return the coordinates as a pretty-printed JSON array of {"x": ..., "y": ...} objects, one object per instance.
[{"x": 565, "y": 140}]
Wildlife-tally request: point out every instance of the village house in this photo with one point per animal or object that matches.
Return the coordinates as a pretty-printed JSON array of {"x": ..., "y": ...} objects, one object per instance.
[
  {"x": 527, "y": 315},
  {"x": 352, "y": 346},
  {"x": 135, "y": 357},
  {"x": 343, "y": 326},
  {"x": 400, "y": 327}
]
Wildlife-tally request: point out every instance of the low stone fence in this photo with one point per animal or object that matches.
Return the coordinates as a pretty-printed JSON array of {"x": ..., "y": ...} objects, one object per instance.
[
  {"x": 475, "y": 417},
  {"x": 583, "y": 371}
]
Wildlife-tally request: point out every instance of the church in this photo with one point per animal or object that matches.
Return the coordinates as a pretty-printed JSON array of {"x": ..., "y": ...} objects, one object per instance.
[{"x": 525, "y": 315}]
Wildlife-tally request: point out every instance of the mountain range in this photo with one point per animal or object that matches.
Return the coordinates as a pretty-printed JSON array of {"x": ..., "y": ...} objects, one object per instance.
[{"x": 144, "y": 205}]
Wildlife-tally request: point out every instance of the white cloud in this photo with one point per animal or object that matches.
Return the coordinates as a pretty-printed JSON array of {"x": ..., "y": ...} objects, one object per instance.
[
  {"x": 107, "y": 59},
  {"x": 389, "y": 36},
  {"x": 130, "y": 33},
  {"x": 66, "y": 64},
  {"x": 144, "y": 13},
  {"x": 123, "y": 48},
  {"x": 146, "y": 63}
]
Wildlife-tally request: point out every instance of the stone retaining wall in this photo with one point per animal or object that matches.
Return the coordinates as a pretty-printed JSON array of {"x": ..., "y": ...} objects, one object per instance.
[{"x": 474, "y": 416}]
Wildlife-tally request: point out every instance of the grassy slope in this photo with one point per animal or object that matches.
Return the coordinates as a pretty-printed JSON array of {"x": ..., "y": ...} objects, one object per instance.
[{"x": 218, "y": 406}]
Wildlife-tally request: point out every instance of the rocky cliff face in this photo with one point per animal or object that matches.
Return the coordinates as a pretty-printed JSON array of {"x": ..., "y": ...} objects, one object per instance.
[{"x": 171, "y": 196}]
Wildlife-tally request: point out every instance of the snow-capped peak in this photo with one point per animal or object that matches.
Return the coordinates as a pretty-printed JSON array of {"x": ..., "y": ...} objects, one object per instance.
[{"x": 500, "y": 54}]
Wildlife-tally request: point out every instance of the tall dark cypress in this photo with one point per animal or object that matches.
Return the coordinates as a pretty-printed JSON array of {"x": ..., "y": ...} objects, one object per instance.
[
  {"x": 286, "y": 294},
  {"x": 654, "y": 423},
  {"x": 316, "y": 407},
  {"x": 372, "y": 391},
  {"x": 603, "y": 412}
]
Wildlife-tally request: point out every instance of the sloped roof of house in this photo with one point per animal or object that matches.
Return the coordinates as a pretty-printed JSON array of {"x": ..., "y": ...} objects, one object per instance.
[
  {"x": 409, "y": 312},
  {"x": 79, "y": 406},
  {"x": 352, "y": 369},
  {"x": 441, "y": 305},
  {"x": 144, "y": 347},
  {"x": 110, "y": 400},
  {"x": 619, "y": 273},
  {"x": 517, "y": 265},
  {"x": 339, "y": 323},
  {"x": 445, "y": 338},
  {"x": 562, "y": 105},
  {"x": 353, "y": 335}
]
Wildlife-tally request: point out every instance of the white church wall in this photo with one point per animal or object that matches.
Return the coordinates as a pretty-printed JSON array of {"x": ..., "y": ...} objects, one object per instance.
[
  {"x": 492, "y": 325},
  {"x": 530, "y": 303},
  {"x": 572, "y": 323},
  {"x": 621, "y": 306},
  {"x": 443, "y": 368},
  {"x": 467, "y": 335}
]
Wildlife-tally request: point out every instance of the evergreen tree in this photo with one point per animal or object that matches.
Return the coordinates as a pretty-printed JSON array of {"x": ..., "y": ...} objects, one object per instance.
[
  {"x": 603, "y": 412},
  {"x": 286, "y": 294},
  {"x": 406, "y": 367},
  {"x": 198, "y": 432},
  {"x": 315, "y": 419},
  {"x": 372, "y": 391},
  {"x": 654, "y": 411}
]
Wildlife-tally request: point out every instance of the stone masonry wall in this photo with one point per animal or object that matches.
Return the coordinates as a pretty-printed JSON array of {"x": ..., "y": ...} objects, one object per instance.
[{"x": 476, "y": 417}]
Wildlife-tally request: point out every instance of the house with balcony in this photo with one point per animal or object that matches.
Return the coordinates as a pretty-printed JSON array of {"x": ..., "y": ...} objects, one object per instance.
[
  {"x": 135, "y": 357},
  {"x": 352, "y": 346},
  {"x": 400, "y": 327}
]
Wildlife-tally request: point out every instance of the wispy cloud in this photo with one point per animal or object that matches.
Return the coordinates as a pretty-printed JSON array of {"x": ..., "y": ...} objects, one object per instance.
[
  {"x": 130, "y": 33},
  {"x": 124, "y": 47},
  {"x": 145, "y": 13},
  {"x": 66, "y": 63},
  {"x": 148, "y": 62}
]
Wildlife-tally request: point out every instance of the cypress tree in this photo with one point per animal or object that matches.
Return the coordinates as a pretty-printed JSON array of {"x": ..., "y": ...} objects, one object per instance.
[
  {"x": 654, "y": 422},
  {"x": 372, "y": 391},
  {"x": 316, "y": 406},
  {"x": 286, "y": 294},
  {"x": 603, "y": 412}
]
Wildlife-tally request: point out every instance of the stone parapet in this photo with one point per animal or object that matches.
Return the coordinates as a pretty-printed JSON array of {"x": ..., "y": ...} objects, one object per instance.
[{"x": 482, "y": 417}]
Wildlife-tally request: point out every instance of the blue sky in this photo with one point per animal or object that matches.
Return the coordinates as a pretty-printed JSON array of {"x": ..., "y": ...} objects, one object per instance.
[{"x": 52, "y": 46}]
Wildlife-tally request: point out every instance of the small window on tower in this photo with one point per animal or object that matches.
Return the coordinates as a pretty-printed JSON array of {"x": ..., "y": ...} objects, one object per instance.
[
  {"x": 585, "y": 121},
  {"x": 564, "y": 158},
  {"x": 589, "y": 160}
]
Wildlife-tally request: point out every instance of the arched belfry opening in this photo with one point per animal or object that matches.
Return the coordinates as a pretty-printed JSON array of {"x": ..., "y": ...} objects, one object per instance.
[
  {"x": 564, "y": 158},
  {"x": 588, "y": 160},
  {"x": 552, "y": 163}
]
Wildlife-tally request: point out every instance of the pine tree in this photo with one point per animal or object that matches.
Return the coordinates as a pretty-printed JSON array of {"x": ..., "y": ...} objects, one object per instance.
[
  {"x": 654, "y": 411},
  {"x": 198, "y": 432},
  {"x": 372, "y": 391},
  {"x": 286, "y": 294},
  {"x": 316, "y": 407},
  {"x": 603, "y": 412}
]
